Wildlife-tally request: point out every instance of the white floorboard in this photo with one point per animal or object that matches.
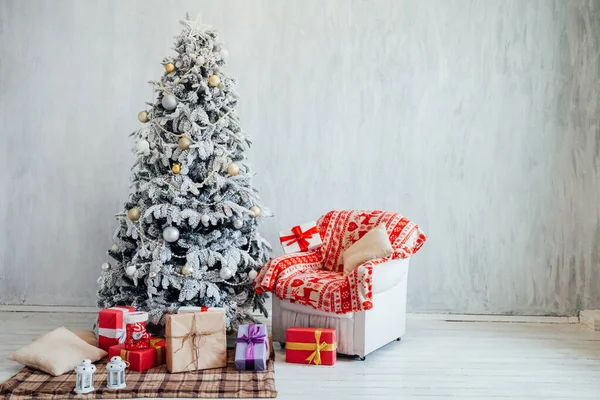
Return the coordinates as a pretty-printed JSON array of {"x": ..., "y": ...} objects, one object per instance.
[{"x": 436, "y": 359}]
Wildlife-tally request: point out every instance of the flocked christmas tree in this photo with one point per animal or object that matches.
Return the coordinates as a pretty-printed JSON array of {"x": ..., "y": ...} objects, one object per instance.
[{"x": 189, "y": 231}]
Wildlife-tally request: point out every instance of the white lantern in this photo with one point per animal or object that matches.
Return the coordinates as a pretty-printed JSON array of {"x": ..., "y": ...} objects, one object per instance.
[
  {"x": 84, "y": 381},
  {"x": 115, "y": 371}
]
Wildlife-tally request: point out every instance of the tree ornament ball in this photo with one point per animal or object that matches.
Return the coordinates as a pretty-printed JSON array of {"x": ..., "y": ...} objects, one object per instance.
[
  {"x": 205, "y": 219},
  {"x": 187, "y": 269},
  {"x": 114, "y": 248},
  {"x": 214, "y": 80},
  {"x": 130, "y": 270},
  {"x": 170, "y": 67},
  {"x": 169, "y": 102},
  {"x": 200, "y": 60},
  {"x": 233, "y": 169},
  {"x": 143, "y": 117},
  {"x": 256, "y": 211},
  {"x": 224, "y": 54},
  {"x": 237, "y": 224},
  {"x": 225, "y": 273},
  {"x": 252, "y": 275},
  {"x": 143, "y": 146},
  {"x": 184, "y": 143},
  {"x": 152, "y": 274},
  {"x": 176, "y": 168},
  {"x": 171, "y": 234},
  {"x": 217, "y": 198},
  {"x": 105, "y": 266},
  {"x": 134, "y": 214}
]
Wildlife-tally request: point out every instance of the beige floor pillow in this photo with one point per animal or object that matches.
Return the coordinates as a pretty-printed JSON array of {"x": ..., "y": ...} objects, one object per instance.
[
  {"x": 57, "y": 352},
  {"x": 88, "y": 336},
  {"x": 375, "y": 244}
]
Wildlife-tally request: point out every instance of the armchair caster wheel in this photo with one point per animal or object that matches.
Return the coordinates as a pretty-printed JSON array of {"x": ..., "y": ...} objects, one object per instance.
[
  {"x": 361, "y": 358},
  {"x": 398, "y": 339}
]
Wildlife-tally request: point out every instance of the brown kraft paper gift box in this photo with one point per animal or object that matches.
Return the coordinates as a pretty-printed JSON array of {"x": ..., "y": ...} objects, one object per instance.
[{"x": 196, "y": 341}]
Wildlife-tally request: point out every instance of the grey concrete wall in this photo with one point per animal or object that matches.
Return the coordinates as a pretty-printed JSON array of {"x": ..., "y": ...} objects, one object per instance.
[{"x": 477, "y": 119}]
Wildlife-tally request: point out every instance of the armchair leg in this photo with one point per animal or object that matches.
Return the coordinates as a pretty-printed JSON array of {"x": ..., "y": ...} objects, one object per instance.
[
  {"x": 361, "y": 358},
  {"x": 398, "y": 339}
]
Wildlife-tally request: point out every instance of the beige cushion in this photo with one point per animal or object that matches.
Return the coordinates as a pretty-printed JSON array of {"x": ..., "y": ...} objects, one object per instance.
[
  {"x": 57, "y": 352},
  {"x": 374, "y": 244}
]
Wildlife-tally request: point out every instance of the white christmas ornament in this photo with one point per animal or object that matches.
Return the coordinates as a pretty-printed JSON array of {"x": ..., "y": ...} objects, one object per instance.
[
  {"x": 224, "y": 54},
  {"x": 187, "y": 269},
  {"x": 105, "y": 266},
  {"x": 169, "y": 102},
  {"x": 200, "y": 60},
  {"x": 217, "y": 198},
  {"x": 225, "y": 273},
  {"x": 205, "y": 219},
  {"x": 130, "y": 270},
  {"x": 143, "y": 147},
  {"x": 171, "y": 234},
  {"x": 237, "y": 224},
  {"x": 114, "y": 248},
  {"x": 252, "y": 275}
]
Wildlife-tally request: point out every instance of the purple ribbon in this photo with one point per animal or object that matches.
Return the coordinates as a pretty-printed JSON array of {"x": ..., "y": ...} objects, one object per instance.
[{"x": 255, "y": 336}]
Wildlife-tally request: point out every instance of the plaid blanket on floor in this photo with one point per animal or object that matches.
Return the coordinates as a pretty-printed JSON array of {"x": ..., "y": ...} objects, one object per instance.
[{"x": 156, "y": 382}]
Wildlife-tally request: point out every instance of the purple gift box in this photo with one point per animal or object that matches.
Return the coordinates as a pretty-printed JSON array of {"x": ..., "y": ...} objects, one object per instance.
[{"x": 251, "y": 348}]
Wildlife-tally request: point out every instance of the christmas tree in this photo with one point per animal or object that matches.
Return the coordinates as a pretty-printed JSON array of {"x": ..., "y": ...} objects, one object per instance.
[{"x": 189, "y": 231}]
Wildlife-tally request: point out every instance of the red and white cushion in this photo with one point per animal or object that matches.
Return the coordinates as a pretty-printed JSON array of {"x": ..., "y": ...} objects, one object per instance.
[{"x": 315, "y": 278}]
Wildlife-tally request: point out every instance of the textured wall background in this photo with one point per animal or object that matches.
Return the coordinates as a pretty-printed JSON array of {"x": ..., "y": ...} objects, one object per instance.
[{"x": 477, "y": 119}]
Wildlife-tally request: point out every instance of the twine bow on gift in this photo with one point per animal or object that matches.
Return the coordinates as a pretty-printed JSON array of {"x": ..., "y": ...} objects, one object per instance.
[
  {"x": 318, "y": 347},
  {"x": 299, "y": 237},
  {"x": 255, "y": 336},
  {"x": 195, "y": 337}
]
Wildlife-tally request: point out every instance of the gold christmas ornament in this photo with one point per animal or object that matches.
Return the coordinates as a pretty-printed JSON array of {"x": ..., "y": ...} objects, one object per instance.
[
  {"x": 184, "y": 143},
  {"x": 214, "y": 80},
  {"x": 170, "y": 67},
  {"x": 176, "y": 168},
  {"x": 134, "y": 214},
  {"x": 256, "y": 211},
  {"x": 143, "y": 117},
  {"x": 233, "y": 169}
]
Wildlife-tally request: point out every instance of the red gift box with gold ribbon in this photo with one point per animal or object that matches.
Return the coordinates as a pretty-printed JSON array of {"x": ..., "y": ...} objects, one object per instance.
[
  {"x": 310, "y": 346},
  {"x": 143, "y": 359},
  {"x": 300, "y": 238}
]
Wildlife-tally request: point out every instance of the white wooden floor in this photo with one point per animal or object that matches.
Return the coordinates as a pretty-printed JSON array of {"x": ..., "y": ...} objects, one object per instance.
[{"x": 436, "y": 358}]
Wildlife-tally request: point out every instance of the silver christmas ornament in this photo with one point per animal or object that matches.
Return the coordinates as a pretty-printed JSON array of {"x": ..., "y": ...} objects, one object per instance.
[
  {"x": 114, "y": 248},
  {"x": 171, "y": 234},
  {"x": 225, "y": 273},
  {"x": 143, "y": 146},
  {"x": 200, "y": 60},
  {"x": 169, "y": 102},
  {"x": 105, "y": 266},
  {"x": 252, "y": 275},
  {"x": 237, "y": 224},
  {"x": 187, "y": 269},
  {"x": 217, "y": 198},
  {"x": 205, "y": 219},
  {"x": 152, "y": 274},
  {"x": 130, "y": 270}
]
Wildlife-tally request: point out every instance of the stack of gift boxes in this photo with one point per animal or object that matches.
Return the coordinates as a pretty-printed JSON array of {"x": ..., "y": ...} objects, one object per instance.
[{"x": 196, "y": 336}]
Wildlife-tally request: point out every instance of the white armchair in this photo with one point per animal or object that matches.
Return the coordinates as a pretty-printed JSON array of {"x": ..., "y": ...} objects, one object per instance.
[{"x": 367, "y": 307}]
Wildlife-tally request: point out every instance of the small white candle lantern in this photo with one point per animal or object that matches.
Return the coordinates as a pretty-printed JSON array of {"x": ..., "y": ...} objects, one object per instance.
[
  {"x": 84, "y": 381},
  {"x": 115, "y": 370}
]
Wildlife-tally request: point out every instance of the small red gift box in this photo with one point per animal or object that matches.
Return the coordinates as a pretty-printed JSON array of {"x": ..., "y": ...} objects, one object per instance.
[
  {"x": 144, "y": 359},
  {"x": 310, "y": 346},
  {"x": 300, "y": 238},
  {"x": 111, "y": 326}
]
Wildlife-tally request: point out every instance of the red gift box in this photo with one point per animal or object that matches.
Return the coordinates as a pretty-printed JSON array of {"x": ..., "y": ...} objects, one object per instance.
[
  {"x": 144, "y": 359},
  {"x": 111, "y": 326},
  {"x": 310, "y": 346}
]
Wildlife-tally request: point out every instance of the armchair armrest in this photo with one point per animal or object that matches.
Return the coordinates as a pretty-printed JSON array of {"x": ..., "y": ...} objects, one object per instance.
[{"x": 267, "y": 277}]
